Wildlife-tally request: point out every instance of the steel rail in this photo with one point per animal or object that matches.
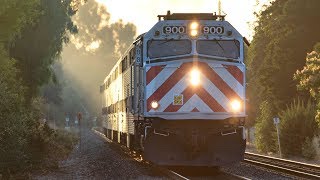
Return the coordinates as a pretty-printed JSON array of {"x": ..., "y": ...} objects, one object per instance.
[
  {"x": 288, "y": 166},
  {"x": 171, "y": 174}
]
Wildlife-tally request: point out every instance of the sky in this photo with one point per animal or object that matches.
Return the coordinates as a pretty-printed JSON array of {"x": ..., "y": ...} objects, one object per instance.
[{"x": 143, "y": 13}]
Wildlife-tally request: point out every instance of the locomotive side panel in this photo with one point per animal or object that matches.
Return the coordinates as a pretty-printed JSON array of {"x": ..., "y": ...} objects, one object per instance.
[
  {"x": 126, "y": 95},
  {"x": 122, "y": 96},
  {"x": 130, "y": 102}
]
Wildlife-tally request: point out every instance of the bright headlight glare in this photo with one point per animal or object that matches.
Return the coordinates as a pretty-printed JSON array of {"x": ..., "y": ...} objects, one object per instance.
[
  {"x": 154, "y": 104},
  {"x": 235, "y": 105},
  {"x": 194, "y": 32},
  {"x": 195, "y": 77},
  {"x": 194, "y": 25}
]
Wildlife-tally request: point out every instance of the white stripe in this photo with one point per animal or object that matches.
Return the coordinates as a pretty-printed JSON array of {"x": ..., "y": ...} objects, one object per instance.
[
  {"x": 195, "y": 102},
  {"x": 215, "y": 93},
  {"x": 230, "y": 80},
  {"x": 160, "y": 79},
  {"x": 241, "y": 68},
  {"x": 167, "y": 99},
  {"x": 148, "y": 68}
]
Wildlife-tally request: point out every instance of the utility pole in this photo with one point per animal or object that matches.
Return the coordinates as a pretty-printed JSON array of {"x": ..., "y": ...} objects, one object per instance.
[
  {"x": 219, "y": 7},
  {"x": 79, "y": 116}
]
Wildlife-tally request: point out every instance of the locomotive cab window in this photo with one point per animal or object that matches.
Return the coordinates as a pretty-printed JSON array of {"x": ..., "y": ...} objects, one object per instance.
[
  {"x": 221, "y": 48},
  {"x": 170, "y": 47},
  {"x": 132, "y": 55},
  {"x": 124, "y": 64},
  {"x": 116, "y": 73}
]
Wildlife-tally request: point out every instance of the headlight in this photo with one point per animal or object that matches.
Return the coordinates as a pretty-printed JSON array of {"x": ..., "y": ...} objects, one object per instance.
[
  {"x": 154, "y": 104},
  {"x": 235, "y": 105},
  {"x": 195, "y": 77},
  {"x": 194, "y": 32},
  {"x": 194, "y": 28},
  {"x": 194, "y": 25}
]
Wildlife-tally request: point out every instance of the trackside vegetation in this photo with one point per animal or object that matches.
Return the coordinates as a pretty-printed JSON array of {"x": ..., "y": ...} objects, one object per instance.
[
  {"x": 298, "y": 128},
  {"x": 32, "y": 34},
  {"x": 283, "y": 79}
]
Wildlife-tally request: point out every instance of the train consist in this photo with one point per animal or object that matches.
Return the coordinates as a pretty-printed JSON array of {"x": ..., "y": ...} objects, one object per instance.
[{"x": 178, "y": 93}]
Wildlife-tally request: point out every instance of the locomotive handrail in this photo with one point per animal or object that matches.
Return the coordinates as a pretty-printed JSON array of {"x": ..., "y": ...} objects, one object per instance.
[
  {"x": 154, "y": 131},
  {"x": 188, "y": 16},
  {"x": 229, "y": 133}
]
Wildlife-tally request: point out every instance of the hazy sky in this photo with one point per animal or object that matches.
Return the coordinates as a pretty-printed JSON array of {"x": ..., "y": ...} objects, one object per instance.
[{"x": 143, "y": 13}]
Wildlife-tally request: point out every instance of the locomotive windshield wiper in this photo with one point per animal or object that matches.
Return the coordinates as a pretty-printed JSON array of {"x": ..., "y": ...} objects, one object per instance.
[
  {"x": 219, "y": 45},
  {"x": 235, "y": 42},
  {"x": 167, "y": 40}
]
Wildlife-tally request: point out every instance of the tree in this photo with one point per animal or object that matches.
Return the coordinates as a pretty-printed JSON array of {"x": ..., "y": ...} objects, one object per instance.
[
  {"x": 40, "y": 45},
  {"x": 286, "y": 30},
  {"x": 265, "y": 134},
  {"x": 15, "y": 15},
  {"x": 309, "y": 77},
  {"x": 22, "y": 135},
  {"x": 92, "y": 52}
]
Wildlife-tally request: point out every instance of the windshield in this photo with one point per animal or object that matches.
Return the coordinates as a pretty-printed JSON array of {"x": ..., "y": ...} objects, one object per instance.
[
  {"x": 222, "y": 48},
  {"x": 164, "y": 48}
]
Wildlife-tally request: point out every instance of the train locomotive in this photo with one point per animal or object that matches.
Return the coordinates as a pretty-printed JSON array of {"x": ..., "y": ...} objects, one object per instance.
[{"x": 178, "y": 93}]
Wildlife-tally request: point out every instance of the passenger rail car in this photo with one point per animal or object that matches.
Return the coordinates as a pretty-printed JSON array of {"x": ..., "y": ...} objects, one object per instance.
[{"x": 178, "y": 93}]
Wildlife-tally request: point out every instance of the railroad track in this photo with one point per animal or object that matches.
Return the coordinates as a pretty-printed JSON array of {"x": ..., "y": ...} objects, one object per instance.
[
  {"x": 167, "y": 172},
  {"x": 299, "y": 169},
  {"x": 281, "y": 165},
  {"x": 172, "y": 174}
]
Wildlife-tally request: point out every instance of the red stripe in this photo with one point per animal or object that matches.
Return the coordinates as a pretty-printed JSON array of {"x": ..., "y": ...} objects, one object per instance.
[
  {"x": 187, "y": 94},
  {"x": 218, "y": 81},
  {"x": 168, "y": 84},
  {"x": 153, "y": 72},
  {"x": 195, "y": 110},
  {"x": 235, "y": 72},
  {"x": 210, "y": 101}
]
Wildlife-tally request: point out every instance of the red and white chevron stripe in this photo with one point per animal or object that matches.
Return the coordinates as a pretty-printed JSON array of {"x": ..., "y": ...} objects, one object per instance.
[{"x": 220, "y": 84}]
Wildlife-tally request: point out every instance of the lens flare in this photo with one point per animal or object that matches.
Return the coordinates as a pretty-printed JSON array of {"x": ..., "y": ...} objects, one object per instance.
[
  {"x": 194, "y": 25},
  {"x": 195, "y": 77},
  {"x": 154, "y": 104},
  {"x": 194, "y": 32},
  {"x": 235, "y": 105}
]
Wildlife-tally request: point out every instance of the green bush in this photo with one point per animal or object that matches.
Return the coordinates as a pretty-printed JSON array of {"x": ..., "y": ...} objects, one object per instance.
[
  {"x": 63, "y": 142},
  {"x": 24, "y": 140},
  {"x": 15, "y": 117},
  {"x": 297, "y": 125},
  {"x": 308, "y": 150}
]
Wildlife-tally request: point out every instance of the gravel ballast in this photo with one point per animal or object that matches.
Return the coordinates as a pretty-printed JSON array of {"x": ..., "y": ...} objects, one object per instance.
[{"x": 95, "y": 158}]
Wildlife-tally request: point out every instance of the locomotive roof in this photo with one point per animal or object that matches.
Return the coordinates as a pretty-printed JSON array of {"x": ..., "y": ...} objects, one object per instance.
[{"x": 191, "y": 16}]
